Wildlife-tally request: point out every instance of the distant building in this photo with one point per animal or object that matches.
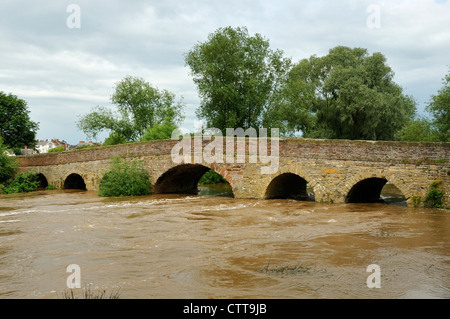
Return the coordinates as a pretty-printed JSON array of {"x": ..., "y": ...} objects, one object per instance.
[
  {"x": 44, "y": 146},
  {"x": 27, "y": 151}
]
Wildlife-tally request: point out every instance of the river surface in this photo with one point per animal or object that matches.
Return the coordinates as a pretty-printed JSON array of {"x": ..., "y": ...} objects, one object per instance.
[{"x": 202, "y": 246}]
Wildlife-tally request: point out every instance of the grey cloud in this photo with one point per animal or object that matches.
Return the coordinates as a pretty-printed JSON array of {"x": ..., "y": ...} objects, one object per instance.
[{"x": 64, "y": 72}]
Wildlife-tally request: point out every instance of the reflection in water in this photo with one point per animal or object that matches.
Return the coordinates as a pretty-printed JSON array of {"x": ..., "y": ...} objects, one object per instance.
[
  {"x": 177, "y": 246},
  {"x": 392, "y": 195},
  {"x": 223, "y": 189}
]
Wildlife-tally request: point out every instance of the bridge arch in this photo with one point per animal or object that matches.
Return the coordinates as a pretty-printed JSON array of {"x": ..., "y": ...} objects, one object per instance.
[
  {"x": 305, "y": 186},
  {"x": 74, "y": 181},
  {"x": 367, "y": 188},
  {"x": 42, "y": 179},
  {"x": 287, "y": 186},
  {"x": 181, "y": 179}
]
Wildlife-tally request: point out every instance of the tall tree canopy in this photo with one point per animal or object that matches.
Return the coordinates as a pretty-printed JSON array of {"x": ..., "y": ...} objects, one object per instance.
[
  {"x": 435, "y": 129},
  {"x": 140, "y": 107},
  {"x": 418, "y": 130},
  {"x": 345, "y": 94},
  {"x": 237, "y": 76},
  {"x": 16, "y": 127},
  {"x": 439, "y": 107}
]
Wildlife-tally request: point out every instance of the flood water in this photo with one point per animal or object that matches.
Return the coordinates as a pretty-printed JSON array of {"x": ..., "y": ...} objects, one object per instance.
[{"x": 202, "y": 246}]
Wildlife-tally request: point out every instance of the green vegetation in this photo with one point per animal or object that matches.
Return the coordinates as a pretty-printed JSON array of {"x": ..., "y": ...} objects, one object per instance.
[
  {"x": 437, "y": 129},
  {"x": 211, "y": 177},
  {"x": 243, "y": 83},
  {"x": 8, "y": 165},
  {"x": 16, "y": 150},
  {"x": 159, "y": 131},
  {"x": 22, "y": 183},
  {"x": 139, "y": 108},
  {"x": 50, "y": 187},
  {"x": 125, "y": 178},
  {"x": 417, "y": 130},
  {"x": 11, "y": 183},
  {"x": 416, "y": 200},
  {"x": 439, "y": 107},
  {"x": 82, "y": 147},
  {"x": 16, "y": 128},
  {"x": 236, "y": 75},
  {"x": 434, "y": 196},
  {"x": 347, "y": 94},
  {"x": 56, "y": 149}
]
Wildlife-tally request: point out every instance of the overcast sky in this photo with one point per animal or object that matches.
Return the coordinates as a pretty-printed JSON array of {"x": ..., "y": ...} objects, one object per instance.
[{"x": 64, "y": 72}]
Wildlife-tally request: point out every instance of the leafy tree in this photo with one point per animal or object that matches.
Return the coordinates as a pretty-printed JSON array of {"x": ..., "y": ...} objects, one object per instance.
[
  {"x": 114, "y": 138},
  {"x": 345, "y": 94},
  {"x": 8, "y": 165},
  {"x": 212, "y": 177},
  {"x": 159, "y": 132},
  {"x": 417, "y": 130},
  {"x": 236, "y": 75},
  {"x": 139, "y": 106},
  {"x": 439, "y": 107},
  {"x": 16, "y": 127}
]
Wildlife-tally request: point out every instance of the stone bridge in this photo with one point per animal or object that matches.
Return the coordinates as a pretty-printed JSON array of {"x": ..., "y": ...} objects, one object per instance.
[{"x": 336, "y": 171}]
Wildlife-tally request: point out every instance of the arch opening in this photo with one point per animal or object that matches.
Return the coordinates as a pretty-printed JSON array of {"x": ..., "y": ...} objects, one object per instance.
[
  {"x": 390, "y": 194},
  {"x": 42, "y": 180},
  {"x": 213, "y": 184},
  {"x": 289, "y": 186},
  {"x": 375, "y": 190},
  {"x": 74, "y": 181},
  {"x": 184, "y": 179}
]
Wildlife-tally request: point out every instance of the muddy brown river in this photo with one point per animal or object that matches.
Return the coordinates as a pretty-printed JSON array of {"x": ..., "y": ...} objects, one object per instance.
[{"x": 203, "y": 246}]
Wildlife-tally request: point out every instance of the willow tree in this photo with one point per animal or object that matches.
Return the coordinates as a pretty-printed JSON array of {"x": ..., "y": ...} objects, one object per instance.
[
  {"x": 345, "y": 94},
  {"x": 236, "y": 75}
]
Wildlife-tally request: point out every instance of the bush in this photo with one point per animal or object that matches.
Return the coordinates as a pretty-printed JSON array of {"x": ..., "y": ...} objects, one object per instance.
[
  {"x": 211, "y": 177},
  {"x": 125, "y": 178},
  {"x": 56, "y": 149},
  {"x": 17, "y": 151},
  {"x": 82, "y": 147},
  {"x": 50, "y": 187},
  {"x": 23, "y": 183},
  {"x": 434, "y": 196}
]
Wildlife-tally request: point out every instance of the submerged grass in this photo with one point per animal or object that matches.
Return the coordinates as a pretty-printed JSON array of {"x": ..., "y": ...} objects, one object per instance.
[
  {"x": 287, "y": 270},
  {"x": 87, "y": 293}
]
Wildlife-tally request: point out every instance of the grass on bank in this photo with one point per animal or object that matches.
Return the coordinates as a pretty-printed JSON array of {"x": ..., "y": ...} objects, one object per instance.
[{"x": 87, "y": 293}]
